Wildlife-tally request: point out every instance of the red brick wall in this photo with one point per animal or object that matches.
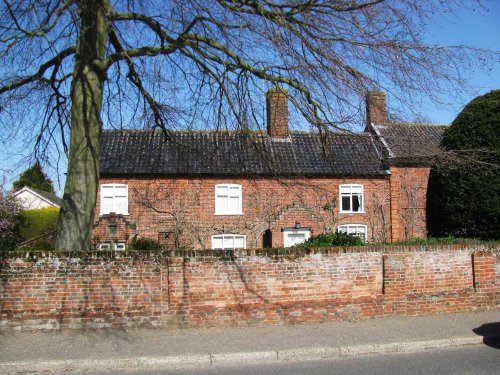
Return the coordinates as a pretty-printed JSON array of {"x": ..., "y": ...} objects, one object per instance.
[
  {"x": 409, "y": 202},
  {"x": 184, "y": 208},
  {"x": 100, "y": 289}
]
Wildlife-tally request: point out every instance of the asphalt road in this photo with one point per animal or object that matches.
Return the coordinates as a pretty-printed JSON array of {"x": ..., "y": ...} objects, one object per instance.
[{"x": 466, "y": 360}]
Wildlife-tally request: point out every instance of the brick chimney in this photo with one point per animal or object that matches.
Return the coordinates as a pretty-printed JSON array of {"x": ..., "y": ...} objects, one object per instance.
[
  {"x": 277, "y": 113},
  {"x": 376, "y": 111}
]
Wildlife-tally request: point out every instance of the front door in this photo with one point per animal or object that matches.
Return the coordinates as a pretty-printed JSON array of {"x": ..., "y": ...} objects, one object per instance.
[{"x": 292, "y": 237}]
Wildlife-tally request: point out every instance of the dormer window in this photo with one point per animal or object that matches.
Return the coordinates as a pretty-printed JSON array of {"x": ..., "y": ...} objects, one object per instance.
[
  {"x": 351, "y": 198},
  {"x": 114, "y": 198},
  {"x": 228, "y": 199}
]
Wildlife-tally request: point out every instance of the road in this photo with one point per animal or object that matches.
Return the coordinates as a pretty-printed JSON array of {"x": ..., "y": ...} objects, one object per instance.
[{"x": 466, "y": 360}]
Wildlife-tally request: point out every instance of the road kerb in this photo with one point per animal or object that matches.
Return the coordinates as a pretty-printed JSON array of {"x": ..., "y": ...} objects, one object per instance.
[{"x": 208, "y": 359}]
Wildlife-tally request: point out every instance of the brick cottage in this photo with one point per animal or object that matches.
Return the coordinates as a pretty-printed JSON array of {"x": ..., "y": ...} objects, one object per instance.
[{"x": 216, "y": 190}]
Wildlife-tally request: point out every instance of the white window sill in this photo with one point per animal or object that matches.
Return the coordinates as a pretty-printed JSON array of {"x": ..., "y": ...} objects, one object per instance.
[
  {"x": 109, "y": 213},
  {"x": 228, "y": 214},
  {"x": 352, "y": 212}
]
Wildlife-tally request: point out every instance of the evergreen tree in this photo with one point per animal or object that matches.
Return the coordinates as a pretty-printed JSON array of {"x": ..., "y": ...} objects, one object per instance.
[
  {"x": 464, "y": 189},
  {"x": 34, "y": 177}
]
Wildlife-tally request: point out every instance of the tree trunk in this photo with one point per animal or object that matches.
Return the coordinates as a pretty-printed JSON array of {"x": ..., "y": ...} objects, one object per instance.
[{"x": 78, "y": 206}]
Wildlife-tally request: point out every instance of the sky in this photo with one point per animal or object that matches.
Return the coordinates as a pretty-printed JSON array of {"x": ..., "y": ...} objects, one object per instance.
[{"x": 478, "y": 28}]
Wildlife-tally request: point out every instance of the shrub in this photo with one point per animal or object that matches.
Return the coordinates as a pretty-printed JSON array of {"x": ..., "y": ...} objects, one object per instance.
[
  {"x": 34, "y": 223},
  {"x": 464, "y": 188},
  {"x": 141, "y": 243},
  {"x": 9, "y": 216},
  {"x": 333, "y": 239}
]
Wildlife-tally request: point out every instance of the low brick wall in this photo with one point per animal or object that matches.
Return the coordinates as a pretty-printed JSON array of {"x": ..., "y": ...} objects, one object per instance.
[{"x": 106, "y": 289}]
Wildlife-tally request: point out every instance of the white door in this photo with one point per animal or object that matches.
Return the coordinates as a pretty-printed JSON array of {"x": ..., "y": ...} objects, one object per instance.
[{"x": 292, "y": 237}]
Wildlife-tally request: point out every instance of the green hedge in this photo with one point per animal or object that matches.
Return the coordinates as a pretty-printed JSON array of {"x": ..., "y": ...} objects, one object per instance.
[
  {"x": 332, "y": 239},
  {"x": 34, "y": 223}
]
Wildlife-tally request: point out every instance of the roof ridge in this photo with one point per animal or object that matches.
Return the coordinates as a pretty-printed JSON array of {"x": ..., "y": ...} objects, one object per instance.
[
  {"x": 253, "y": 132},
  {"x": 417, "y": 124}
]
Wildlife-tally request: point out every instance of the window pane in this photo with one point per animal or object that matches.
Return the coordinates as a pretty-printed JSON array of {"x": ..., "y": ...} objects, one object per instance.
[
  {"x": 121, "y": 190},
  {"x": 356, "y": 189},
  {"x": 121, "y": 206},
  {"x": 107, "y": 191},
  {"x": 234, "y": 190},
  {"x": 217, "y": 242},
  {"x": 107, "y": 205},
  {"x": 221, "y": 204},
  {"x": 345, "y": 189},
  {"x": 221, "y": 190},
  {"x": 346, "y": 203},
  {"x": 356, "y": 203},
  {"x": 239, "y": 242},
  {"x": 234, "y": 205},
  {"x": 228, "y": 242}
]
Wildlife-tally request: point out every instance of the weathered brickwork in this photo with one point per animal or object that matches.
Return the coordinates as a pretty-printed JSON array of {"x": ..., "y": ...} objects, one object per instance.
[
  {"x": 108, "y": 289},
  {"x": 181, "y": 211},
  {"x": 408, "y": 186}
]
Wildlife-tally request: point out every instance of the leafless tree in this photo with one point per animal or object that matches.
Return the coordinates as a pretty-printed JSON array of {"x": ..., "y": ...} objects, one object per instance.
[{"x": 70, "y": 66}]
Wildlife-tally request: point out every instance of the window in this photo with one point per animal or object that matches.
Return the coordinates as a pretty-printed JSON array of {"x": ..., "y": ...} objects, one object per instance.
[
  {"x": 104, "y": 246},
  {"x": 228, "y": 199},
  {"x": 120, "y": 246},
  {"x": 292, "y": 237},
  {"x": 354, "y": 229},
  {"x": 114, "y": 198},
  {"x": 351, "y": 198},
  {"x": 229, "y": 241}
]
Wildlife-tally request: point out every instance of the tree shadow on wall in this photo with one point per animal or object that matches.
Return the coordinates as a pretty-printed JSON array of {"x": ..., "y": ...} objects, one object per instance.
[{"x": 490, "y": 333}]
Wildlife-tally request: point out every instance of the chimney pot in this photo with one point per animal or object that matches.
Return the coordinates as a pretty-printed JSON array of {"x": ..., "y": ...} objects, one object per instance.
[
  {"x": 376, "y": 109},
  {"x": 277, "y": 113}
]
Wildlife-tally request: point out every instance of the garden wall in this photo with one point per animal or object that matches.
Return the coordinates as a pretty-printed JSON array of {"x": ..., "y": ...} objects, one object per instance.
[{"x": 205, "y": 288}]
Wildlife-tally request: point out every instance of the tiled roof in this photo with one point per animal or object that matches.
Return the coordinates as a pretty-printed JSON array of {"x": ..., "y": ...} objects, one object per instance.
[
  {"x": 410, "y": 143},
  {"x": 49, "y": 196},
  {"x": 145, "y": 152}
]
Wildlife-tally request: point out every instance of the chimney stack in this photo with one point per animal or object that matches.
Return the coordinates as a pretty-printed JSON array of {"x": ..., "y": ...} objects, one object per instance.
[
  {"x": 277, "y": 113},
  {"x": 376, "y": 111}
]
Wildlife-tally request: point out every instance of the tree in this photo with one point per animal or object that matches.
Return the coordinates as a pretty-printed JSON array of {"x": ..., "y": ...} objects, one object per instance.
[
  {"x": 71, "y": 66},
  {"x": 34, "y": 177},
  {"x": 464, "y": 188},
  {"x": 9, "y": 212}
]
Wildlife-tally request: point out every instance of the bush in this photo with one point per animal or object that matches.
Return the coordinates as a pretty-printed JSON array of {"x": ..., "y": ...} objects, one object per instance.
[
  {"x": 34, "y": 223},
  {"x": 141, "y": 243},
  {"x": 9, "y": 217},
  {"x": 333, "y": 239},
  {"x": 464, "y": 188}
]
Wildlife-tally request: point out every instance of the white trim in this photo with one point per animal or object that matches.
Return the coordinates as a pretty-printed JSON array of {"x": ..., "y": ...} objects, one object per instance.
[
  {"x": 350, "y": 187},
  {"x": 122, "y": 244},
  {"x": 106, "y": 245},
  {"x": 26, "y": 188},
  {"x": 346, "y": 228},
  {"x": 102, "y": 212},
  {"x": 219, "y": 210},
  {"x": 228, "y": 237},
  {"x": 287, "y": 232}
]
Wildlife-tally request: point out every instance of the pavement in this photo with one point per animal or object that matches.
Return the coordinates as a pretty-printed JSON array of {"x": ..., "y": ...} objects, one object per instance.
[{"x": 67, "y": 351}]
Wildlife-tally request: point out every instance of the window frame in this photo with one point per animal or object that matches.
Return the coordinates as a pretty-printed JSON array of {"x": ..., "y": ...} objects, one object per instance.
[
  {"x": 364, "y": 237},
  {"x": 113, "y": 185},
  {"x": 225, "y": 211},
  {"x": 120, "y": 244},
  {"x": 341, "y": 194},
  {"x": 287, "y": 231},
  {"x": 225, "y": 235},
  {"x": 104, "y": 246}
]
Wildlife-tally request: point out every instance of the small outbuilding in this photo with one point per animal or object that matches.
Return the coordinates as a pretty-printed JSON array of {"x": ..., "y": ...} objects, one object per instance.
[{"x": 30, "y": 198}]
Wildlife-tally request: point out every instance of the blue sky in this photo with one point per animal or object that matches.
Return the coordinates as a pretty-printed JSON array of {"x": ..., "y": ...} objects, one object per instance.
[{"x": 478, "y": 28}]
